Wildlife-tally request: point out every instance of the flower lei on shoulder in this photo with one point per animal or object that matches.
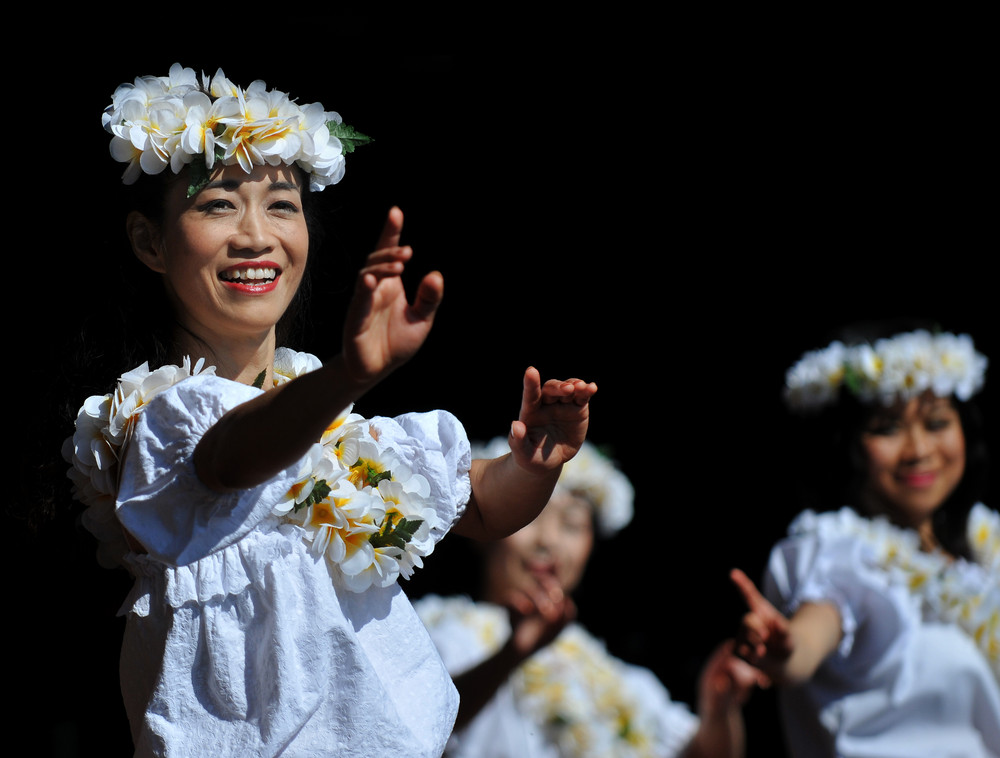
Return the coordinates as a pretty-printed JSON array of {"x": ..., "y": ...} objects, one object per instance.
[
  {"x": 359, "y": 504},
  {"x": 958, "y": 592},
  {"x": 573, "y": 689},
  {"x": 103, "y": 428},
  {"x": 182, "y": 120},
  {"x": 576, "y": 692}
]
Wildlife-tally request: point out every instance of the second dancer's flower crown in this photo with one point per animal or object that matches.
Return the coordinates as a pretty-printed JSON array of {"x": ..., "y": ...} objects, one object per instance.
[
  {"x": 183, "y": 120},
  {"x": 897, "y": 368},
  {"x": 589, "y": 474}
]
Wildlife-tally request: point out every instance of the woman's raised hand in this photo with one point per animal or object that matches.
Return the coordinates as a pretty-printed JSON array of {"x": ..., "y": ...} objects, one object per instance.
[
  {"x": 764, "y": 639},
  {"x": 537, "y": 617},
  {"x": 383, "y": 329},
  {"x": 552, "y": 423}
]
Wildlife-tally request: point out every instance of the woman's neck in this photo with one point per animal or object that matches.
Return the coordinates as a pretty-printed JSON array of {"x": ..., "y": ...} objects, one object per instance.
[
  {"x": 928, "y": 540},
  {"x": 248, "y": 361}
]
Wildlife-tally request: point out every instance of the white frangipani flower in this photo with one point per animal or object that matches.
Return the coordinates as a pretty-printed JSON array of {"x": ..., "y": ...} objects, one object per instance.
[
  {"x": 202, "y": 117},
  {"x": 140, "y": 385},
  {"x": 817, "y": 377},
  {"x": 984, "y": 536},
  {"x": 315, "y": 467},
  {"x": 289, "y": 364},
  {"x": 339, "y": 526},
  {"x": 408, "y": 502}
]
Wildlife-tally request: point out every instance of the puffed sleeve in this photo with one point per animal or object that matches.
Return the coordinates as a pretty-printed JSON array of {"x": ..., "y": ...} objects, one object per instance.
[
  {"x": 823, "y": 562},
  {"x": 161, "y": 501},
  {"x": 435, "y": 445}
]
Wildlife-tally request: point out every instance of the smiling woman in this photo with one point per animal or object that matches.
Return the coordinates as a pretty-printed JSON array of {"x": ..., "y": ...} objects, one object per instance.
[
  {"x": 916, "y": 459},
  {"x": 264, "y": 524},
  {"x": 879, "y": 616},
  {"x": 231, "y": 258}
]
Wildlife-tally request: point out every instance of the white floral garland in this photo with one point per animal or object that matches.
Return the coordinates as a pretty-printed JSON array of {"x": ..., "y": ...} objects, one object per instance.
[
  {"x": 901, "y": 367},
  {"x": 103, "y": 427},
  {"x": 952, "y": 591},
  {"x": 357, "y": 503},
  {"x": 161, "y": 121},
  {"x": 573, "y": 689}
]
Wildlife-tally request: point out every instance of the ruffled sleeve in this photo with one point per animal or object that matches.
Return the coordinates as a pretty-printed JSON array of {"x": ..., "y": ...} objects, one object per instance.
[
  {"x": 825, "y": 561},
  {"x": 435, "y": 445},
  {"x": 161, "y": 502}
]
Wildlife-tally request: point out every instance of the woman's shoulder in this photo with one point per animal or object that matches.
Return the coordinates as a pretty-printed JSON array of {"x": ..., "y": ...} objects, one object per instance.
[
  {"x": 841, "y": 521},
  {"x": 484, "y": 619},
  {"x": 464, "y": 631}
]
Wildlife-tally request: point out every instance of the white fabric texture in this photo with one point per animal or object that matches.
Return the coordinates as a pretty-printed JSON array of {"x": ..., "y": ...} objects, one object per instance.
[
  {"x": 238, "y": 642},
  {"x": 511, "y": 725},
  {"x": 901, "y": 684}
]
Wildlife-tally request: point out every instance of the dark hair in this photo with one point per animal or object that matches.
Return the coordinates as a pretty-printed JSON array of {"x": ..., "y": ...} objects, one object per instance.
[{"x": 832, "y": 466}]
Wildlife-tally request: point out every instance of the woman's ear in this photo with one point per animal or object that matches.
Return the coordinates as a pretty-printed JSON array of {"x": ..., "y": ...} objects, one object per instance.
[{"x": 145, "y": 238}]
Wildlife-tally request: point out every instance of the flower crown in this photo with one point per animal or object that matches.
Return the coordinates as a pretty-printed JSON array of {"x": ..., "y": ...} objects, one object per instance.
[
  {"x": 897, "y": 368},
  {"x": 589, "y": 474},
  {"x": 161, "y": 121}
]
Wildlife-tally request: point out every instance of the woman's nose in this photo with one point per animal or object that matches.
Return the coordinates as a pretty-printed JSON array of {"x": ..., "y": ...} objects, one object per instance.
[
  {"x": 252, "y": 232},
  {"x": 916, "y": 444},
  {"x": 546, "y": 535}
]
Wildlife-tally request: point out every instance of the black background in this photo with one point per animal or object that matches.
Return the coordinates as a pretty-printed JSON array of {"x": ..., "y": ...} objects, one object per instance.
[{"x": 675, "y": 209}]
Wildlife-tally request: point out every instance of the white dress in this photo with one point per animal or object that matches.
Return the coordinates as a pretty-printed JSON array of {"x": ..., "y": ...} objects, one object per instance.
[
  {"x": 241, "y": 637},
  {"x": 916, "y": 673},
  {"x": 572, "y": 699}
]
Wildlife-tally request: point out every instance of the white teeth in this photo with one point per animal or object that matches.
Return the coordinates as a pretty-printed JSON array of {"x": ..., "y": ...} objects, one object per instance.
[{"x": 248, "y": 274}]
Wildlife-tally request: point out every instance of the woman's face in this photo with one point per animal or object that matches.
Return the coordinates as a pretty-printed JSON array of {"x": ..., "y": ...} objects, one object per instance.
[
  {"x": 232, "y": 256},
  {"x": 916, "y": 457},
  {"x": 557, "y": 543}
]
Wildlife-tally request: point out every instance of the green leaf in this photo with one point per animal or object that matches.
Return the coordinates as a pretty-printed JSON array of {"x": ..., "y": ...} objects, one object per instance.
[
  {"x": 369, "y": 475},
  {"x": 395, "y": 535},
  {"x": 852, "y": 379},
  {"x": 349, "y": 137},
  {"x": 259, "y": 381},
  {"x": 319, "y": 492},
  {"x": 199, "y": 173},
  {"x": 198, "y": 177}
]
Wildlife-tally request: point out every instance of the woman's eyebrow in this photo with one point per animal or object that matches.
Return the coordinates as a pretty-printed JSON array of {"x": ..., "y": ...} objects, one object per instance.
[
  {"x": 230, "y": 185},
  {"x": 226, "y": 184}
]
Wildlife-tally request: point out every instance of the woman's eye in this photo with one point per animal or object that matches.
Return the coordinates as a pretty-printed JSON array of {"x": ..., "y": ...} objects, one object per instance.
[
  {"x": 575, "y": 526},
  {"x": 883, "y": 428},
  {"x": 285, "y": 206},
  {"x": 937, "y": 424},
  {"x": 215, "y": 205}
]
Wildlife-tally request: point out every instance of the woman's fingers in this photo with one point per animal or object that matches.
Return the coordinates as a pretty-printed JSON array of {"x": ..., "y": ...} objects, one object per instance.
[{"x": 391, "y": 230}]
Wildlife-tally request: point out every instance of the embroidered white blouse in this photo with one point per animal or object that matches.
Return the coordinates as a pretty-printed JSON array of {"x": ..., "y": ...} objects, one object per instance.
[
  {"x": 243, "y": 638},
  {"x": 916, "y": 674}
]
